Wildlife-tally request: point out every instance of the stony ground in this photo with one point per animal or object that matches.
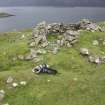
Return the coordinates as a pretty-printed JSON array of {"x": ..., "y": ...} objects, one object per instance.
[{"x": 79, "y": 82}]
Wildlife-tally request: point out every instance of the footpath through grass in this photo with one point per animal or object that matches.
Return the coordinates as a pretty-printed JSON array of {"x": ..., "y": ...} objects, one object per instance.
[{"x": 78, "y": 82}]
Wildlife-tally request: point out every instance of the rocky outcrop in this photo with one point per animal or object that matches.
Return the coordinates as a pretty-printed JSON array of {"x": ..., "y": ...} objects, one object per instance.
[
  {"x": 84, "y": 52},
  {"x": 39, "y": 35},
  {"x": 42, "y": 30},
  {"x": 68, "y": 33},
  {"x": 85, "y": 24},
  {"x": 70, "y": 37}
]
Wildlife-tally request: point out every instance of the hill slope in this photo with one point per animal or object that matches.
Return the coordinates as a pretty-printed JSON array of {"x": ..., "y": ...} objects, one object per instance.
[{"x": 79, "y": 81}]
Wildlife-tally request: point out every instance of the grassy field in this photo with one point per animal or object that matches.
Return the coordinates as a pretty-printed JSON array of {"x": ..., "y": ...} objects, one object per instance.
[{"x": 78, "y": 82}]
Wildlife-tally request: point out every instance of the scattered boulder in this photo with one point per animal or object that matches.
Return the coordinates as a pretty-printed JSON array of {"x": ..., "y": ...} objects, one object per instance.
[
  {"x": 55, "y": 50},
  {"x": 32, "y": 44},
  {"x": 84, "y": 51},
  {"x": 14, "y": 58},
  {"x": 44, "y": 44},
  {"x": 23, "y": 83},
  {"x": 39, "y": 34},
  {"x": 103, "y": 42},
  {"x": 41, "y": 51},
  {"x": 15, "y": 84},
  {"x": 75, "y": 79},
  {"x": 95, "y": 42},
  {"x": 31, "y": 55},
  {"x": 95, "y": 60},
  {"x": 6, "y": 104},
  {"x": 68, "y": 45},
  {"x": 23, "y": 36},
  {"x": 9, "y": 80},
  {"x": 85, "y": 24},
  {"x": 20, "y": 57},
  {"x": 2, "y": 95},
  {"x": 61, "y": 42}
]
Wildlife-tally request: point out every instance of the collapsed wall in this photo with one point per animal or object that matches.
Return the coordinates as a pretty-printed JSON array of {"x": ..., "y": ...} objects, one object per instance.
[{"x": 69, "y": 32}]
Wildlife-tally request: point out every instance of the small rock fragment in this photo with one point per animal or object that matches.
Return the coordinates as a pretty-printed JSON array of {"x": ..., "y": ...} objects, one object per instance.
[
  {"x": 48, "y": 80},
  {"x": 95, "y": 42},
  {"x": 6, "y": 104},
  {"x": 75, "y": 79},
  {"x": 20, "y": 57},
  {"x": 84, "y": 51},
  {"x": 69, "y": 45},
  {"x": 55, "y": 50},
  {"x": 15, "y": 84},
  {"x": 95, "y": 60},
  {"x": 41, "y": 51},
  {"x": 9, "y": 80},
  {"x": 2, "y": 95},
  {"x": 103, "y": 43},
  {"x": 91, "y": 59},
  {"x": 23, "y": 83}
]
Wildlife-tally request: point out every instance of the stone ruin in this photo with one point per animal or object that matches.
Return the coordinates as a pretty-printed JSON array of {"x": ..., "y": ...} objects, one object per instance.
[
  {"x": 67, "y": 35},
  {"x": 69, "y": 32},
  {"x": 85, "y": 24}
]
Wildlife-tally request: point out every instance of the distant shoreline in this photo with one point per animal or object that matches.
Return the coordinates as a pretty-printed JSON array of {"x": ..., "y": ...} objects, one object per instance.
[{"x": 3, "y": 15}]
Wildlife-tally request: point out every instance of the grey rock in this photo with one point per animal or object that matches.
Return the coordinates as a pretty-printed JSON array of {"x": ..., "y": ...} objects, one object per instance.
[
  {"x": 32, "y": 44},
  {"x": 31, "y": 55},
  {"x": 95, "y": 59},
  {"x": 20, "y": 57},
  {"x": 39, "y": 34},
  {"x": 88, "y": 25},
  {"x": 41, "y": 51},
  {"x": 103, "y": 43},
  {"x": 95, "y": 42},
  {"x": 68, "y": 45},
  {"x": 70, "y": 35},
  {"x": 23, "y": 83},
  {"x": 45, "y": 44},
  {"x": 84, "y": 51},
  {"x": 6, "y": 104},
  {"x": 2, "y": 95},
  {"x": 91, "y": 59},
  {"x": 14, "y": 84},
  {"x": 55, "y": 50},
  {"x": 9, "y": 80}
]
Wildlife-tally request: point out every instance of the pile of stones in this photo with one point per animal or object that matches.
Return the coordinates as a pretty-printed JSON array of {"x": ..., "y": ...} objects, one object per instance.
[
  {"x": 92, "y": 58},
  {"x": 68, "y": 34},
  {"x": 13, "y": 84},
  {"x": 42, "y": 30},
  {"x": 39, "y": 35},
  {"x": 85, "y": 24}
]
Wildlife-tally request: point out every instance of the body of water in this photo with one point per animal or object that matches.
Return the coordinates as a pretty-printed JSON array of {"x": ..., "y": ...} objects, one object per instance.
[{"x": 27, "y": 17}]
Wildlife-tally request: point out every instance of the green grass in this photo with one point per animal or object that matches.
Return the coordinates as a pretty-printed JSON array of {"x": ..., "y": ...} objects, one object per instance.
[{"x": 78, "y": 82}]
